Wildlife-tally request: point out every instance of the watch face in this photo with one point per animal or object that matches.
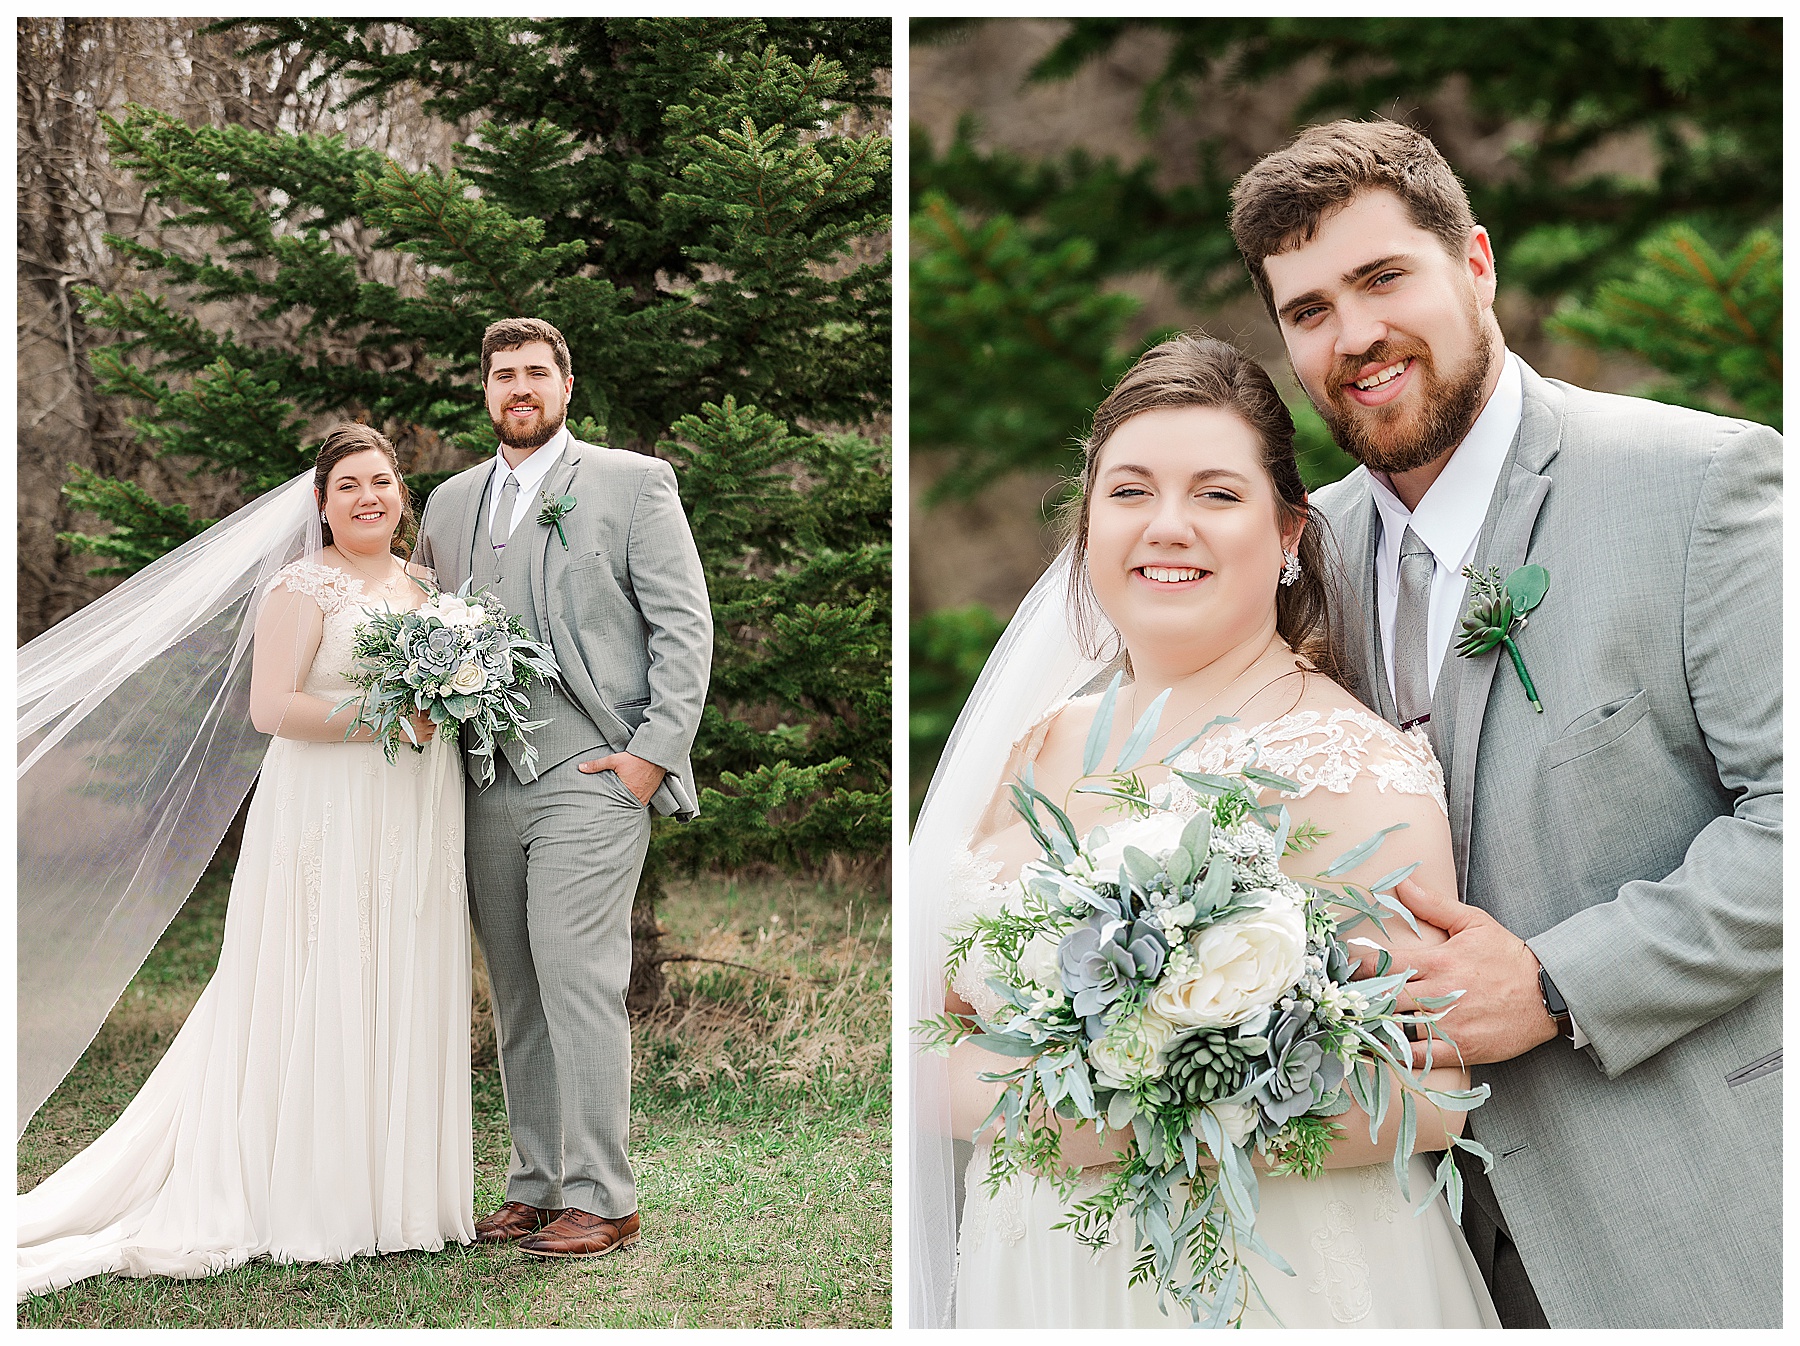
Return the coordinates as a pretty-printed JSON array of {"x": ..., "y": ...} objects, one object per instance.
[{"x": 1553, "y": 1001}]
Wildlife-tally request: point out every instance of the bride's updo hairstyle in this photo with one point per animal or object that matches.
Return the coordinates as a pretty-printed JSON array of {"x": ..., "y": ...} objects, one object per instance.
[
  {"x": 345, "y": 441},
  {"x": 1197, "y": 371}
]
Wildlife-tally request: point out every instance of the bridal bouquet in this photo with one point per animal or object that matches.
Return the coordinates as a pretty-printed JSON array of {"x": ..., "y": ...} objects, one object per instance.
[
  {"x": 459, "y": 659},
  {"x": 1162, "y": 978}
]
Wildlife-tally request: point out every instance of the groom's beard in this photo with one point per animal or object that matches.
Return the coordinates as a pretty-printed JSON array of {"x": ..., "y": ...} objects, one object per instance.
[
  {"x": 531, "y": 434},
  {"x": 1392, "y": 441}
]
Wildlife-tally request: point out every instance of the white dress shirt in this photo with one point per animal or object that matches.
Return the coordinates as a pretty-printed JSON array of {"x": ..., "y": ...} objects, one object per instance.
[
  {"x": 1448, "y": 520},
  {"x": 531, "y": 474}
]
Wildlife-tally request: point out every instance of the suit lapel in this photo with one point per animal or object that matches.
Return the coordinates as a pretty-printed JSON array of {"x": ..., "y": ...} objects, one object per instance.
[
  {"x": 557, "y": 483},
  {"x": 1460, "y": 703},
  {"x": 1354, "y": 535},
  {"x": 464, "y": 522}
]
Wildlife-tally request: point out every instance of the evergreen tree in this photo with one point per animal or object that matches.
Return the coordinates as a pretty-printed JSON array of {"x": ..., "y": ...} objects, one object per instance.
[
  {"x": 690, "y": 202},
  {"x": 1711, "y": 323}
]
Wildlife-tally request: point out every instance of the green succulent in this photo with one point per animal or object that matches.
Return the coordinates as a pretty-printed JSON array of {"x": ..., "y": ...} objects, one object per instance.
[
  {"x": 1496, "y": 607},
  {"x": 1206, "y": 1066}
]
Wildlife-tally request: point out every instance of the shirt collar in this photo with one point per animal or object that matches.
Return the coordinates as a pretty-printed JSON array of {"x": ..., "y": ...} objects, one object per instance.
[
  {"x": 1450, "y": 514},
  {"x": 534, "y": 469}
]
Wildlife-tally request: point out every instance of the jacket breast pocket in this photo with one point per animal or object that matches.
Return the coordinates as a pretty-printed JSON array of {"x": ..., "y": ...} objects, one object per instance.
[
  {"x": 588, "y": 563},
  {"x": 1597, "y": 728}
]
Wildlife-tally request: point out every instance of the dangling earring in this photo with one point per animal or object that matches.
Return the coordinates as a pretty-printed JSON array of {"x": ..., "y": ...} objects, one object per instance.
[
  {"x": 321, "y": 516},
  {"x": 1290, "y": 567}
]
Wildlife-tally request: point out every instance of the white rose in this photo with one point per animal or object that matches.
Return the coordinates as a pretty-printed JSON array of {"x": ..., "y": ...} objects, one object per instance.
[
  {"x": 1155, "y": 835},
  {"x": 1037, "y": 961},
  {"x": 454, "y": 612},
  {"x": 1236, "y": 967},
  {"x": 470, "y": 678},
  {"x": 1237, "y": 1119},
  {"x": 1131, "y": 1050}
]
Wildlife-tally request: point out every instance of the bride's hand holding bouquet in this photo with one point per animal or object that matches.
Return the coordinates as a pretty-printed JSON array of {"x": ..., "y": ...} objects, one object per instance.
[{"x": 1164, "y": 983}]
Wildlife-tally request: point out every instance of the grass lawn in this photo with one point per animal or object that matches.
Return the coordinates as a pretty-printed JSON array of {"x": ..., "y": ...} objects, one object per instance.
[{"x": 760, "y": 1124}]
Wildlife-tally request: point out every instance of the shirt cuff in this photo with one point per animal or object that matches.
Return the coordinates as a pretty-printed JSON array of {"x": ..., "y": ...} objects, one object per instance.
[{"x": 1581, "y": 1038}]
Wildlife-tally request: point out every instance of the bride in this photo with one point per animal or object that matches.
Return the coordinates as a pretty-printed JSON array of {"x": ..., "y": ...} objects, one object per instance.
[
  {"x": 1191, "y": 565},
  {"x": 315, "y": 1104}
]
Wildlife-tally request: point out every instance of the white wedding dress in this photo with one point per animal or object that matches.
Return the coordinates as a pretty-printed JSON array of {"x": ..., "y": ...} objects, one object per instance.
[
  {"x": 1362, "y": 1259},
  {"x": 315, "y": 1105}
]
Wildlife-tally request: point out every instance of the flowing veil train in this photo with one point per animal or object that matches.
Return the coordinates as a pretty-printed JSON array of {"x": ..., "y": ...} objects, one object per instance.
[
  {"x": 1036, "y": 664},
  {"x": 135, "y": 751}
]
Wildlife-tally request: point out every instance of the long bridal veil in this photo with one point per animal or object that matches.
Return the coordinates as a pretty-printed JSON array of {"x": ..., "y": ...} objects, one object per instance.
[
  {"x": 1036, "y": 664},
  {"x": 135, "y": 751}
]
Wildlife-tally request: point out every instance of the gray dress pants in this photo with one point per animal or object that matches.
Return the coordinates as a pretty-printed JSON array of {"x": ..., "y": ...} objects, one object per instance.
[{"x": 553, "y": 867}]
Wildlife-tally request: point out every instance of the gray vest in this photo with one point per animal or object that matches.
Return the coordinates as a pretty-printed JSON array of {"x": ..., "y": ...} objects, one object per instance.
[{"x": 507, "y": 576}]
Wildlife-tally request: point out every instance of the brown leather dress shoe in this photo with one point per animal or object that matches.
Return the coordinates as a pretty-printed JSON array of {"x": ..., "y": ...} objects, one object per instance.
[
  {"x": 512, "y": 1221},
  {"x": 575, "y": 1233}
]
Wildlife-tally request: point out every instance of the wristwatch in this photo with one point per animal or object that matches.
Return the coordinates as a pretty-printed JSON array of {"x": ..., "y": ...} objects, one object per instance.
[{"x": 1555, "y": 1006}]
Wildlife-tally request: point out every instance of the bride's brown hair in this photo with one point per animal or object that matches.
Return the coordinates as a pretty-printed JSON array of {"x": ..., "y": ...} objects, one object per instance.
[
  {"x": 353, "y": 437},
  {"x": 1197, "y": 371}
]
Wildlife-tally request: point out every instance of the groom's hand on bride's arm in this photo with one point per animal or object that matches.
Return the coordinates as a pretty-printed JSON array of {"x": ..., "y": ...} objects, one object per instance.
[
  {"x": 1501, "y": 1013},
  {"x": 639, "y": 776}
]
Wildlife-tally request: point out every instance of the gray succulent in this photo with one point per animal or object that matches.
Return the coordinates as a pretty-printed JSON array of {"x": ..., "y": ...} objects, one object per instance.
[
  {"x": 1098, "y": 967},
  {"x": 1303, "y": 1076}
]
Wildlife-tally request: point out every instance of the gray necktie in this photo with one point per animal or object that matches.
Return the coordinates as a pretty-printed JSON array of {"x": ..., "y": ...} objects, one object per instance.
[
  {"x": 500, "y": 525},
  {"x": 1412, "y": 611}
]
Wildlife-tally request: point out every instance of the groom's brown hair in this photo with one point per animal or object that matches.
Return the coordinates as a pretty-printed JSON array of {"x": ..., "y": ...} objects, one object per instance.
[{"x": 1278, "y": 204}]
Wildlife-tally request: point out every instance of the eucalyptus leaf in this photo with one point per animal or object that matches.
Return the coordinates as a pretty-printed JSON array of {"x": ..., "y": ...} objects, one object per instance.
[
  {"x": 1203, "y": 783},
  {"x": 1353, "y": 857},
  {"x": 1438, "y": 1002},
  {"x": 1475, "y": 1148},
  {"x": 1387, "y": 881},
  {"x": 1403, "y": 1146},
  {"x": 1438, "y": 1183},
  {"x": 1267, "y": 1253},
  {"x": 1188, "y": 742},
  {"x": 1101, "y": 730},
  {"x": 1271, "y": 780},
  {"x": 1526, "y": 587},
  {"x": 1006, "y": 1044},
  {"x": 1142, "y": 733},
  {"x": 1399, "y": 909},
  {"x": 1226, "y": 1299}
]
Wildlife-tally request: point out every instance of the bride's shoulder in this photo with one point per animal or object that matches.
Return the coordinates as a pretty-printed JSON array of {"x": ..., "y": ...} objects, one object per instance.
[{"x": 311, "y": 577}]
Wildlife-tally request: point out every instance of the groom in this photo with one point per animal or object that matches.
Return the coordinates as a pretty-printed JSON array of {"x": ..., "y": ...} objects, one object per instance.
[
  {"x": 1620, "y": 850},
  {"x": 610, "y": 579}
]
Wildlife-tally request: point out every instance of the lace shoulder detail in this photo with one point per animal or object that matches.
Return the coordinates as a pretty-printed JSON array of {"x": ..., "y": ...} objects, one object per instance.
[
  {"x": 326, "y": 585},
  {"x": 1327, "y": 749}
]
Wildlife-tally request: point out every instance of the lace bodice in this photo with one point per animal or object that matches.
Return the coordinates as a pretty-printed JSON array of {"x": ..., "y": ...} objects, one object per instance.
[
  {"x": 1327, "y": 750},
  {"x": 346, "y": 605}
]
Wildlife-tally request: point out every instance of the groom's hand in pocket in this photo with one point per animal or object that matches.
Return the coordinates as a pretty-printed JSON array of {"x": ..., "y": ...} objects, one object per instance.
[
  {"x": 1501, "y": 1012},
  {"x": 639, "y": 776}
]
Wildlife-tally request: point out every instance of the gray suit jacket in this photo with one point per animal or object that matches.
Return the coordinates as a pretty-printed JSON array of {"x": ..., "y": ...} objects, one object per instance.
[
  {"x": 624, "y": 606},
  {"x": 1631, "y": 834}
]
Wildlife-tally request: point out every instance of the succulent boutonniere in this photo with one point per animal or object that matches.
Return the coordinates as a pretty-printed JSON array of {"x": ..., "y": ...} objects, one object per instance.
[
  {"x": 1496, "y": 609},
  {"x": 551, "y": 512}
]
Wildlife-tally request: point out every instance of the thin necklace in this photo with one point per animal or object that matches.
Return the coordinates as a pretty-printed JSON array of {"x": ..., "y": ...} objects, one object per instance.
[
  {"x": 1166, "y": 733},
  {"x": 382, "y": 586}
]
